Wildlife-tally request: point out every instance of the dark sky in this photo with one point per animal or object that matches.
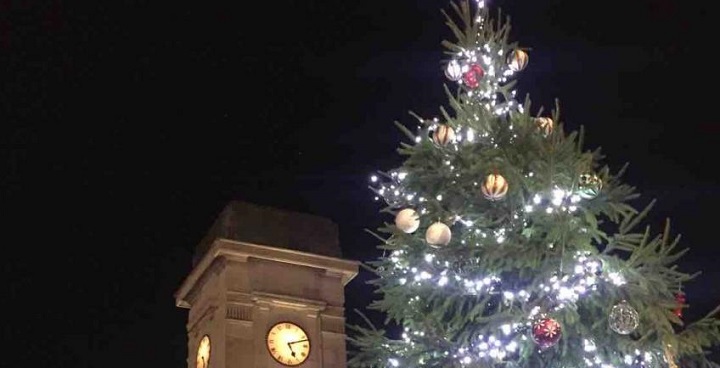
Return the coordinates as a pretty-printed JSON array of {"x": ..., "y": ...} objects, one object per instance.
[{"x": 127, "y": 126}]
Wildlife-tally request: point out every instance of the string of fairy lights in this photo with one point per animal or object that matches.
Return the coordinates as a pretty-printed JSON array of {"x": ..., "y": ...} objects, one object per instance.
[{"x": 484, "y": 71}]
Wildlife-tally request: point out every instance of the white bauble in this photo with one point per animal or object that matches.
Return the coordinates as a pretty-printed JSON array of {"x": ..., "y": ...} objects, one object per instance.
[
  {"x": 438, "y": 234},
  {"x": 453, "y": 71},
  {"x": 407, "y": 220}
]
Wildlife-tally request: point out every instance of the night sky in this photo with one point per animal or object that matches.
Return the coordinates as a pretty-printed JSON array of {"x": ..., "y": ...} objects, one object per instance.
[{"x": 128, "y": 125}]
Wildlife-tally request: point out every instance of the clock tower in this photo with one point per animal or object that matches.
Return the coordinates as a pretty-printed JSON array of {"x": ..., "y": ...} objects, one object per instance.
[{"x": 267, "y": 291}]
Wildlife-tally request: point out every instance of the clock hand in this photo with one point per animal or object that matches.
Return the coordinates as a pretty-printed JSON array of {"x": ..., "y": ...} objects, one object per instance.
[
  {"x": 297, "y": 342},
  {"x": 292, "y": 352}
]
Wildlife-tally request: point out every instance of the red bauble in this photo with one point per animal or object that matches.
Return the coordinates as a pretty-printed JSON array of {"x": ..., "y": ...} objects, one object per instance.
[
  {"x": 546, "y": 332},
  {"x": 472, "y": 77},
  {"x": 680, "y": 299}
]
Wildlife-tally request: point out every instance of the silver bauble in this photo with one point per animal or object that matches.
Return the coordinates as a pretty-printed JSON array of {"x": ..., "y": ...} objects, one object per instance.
[
  {"x": 453, "y": 71},
  {"x": 623, "y": 319}
]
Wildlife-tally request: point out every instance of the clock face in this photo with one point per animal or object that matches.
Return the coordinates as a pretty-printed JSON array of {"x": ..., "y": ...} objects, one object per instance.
[
  {"x": 203, "y": 353},
  {"x": 288, "y": 344}
]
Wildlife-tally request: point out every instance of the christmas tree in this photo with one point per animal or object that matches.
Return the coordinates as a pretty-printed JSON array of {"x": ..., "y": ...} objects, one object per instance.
[{"x": 512, "y": 245}]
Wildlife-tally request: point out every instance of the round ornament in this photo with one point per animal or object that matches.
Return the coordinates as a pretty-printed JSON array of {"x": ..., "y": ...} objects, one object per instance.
[
  {"x": 589, "y": 186},
  {"x": 438, "y": 234},
  {"x": 680, "y": 299},
  {"x": 453, "y": 71},
  {"x": 407, "y": 220},
  {"x": 443, "y": 134},
  {"x": 517, "y": 60},
  {"x": 472, "y": 76},
  {"x": 623, "y": 319},
  {"x": 495, "y": 187},
  {"x": 545, "y": 125},
  {"x": 546, "y": 332}
]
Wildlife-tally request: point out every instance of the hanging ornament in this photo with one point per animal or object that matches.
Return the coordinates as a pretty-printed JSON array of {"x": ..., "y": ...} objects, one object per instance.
[
  {"x": 443, "y": 135},
  {"x": 438, "y": 234},
  {"x": 680, "y": 299},
  {"x": 407, "y": 220},
  {"x": 495, "y": 187},
  {"x": 589, "y": 186},
  {"x": 472, "y": 76},
  {"x": 545, "y": 125},
  {"x": 453, "y": 71},
  {"x": 623, "y": 319},
  {"x": 546, "y": 332},
  {"x": 517, "y": 60}
]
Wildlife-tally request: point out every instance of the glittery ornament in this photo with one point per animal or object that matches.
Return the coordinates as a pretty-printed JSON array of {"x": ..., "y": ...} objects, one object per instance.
[
  {"x": 517, "y": 60},
  {"x": 472, "y": 76},
  {"x": 623, "y": 319},
  {"x": 453, "y": 71},
  {"x": 545, "y": 125},
  {"x": 589, "y": 186},
  {"x": 443, "y": 134},
  {"x": 438, "y": 234},
  {"x": 546, "y": 332},
  {"x": 495, "y": 187},
  {"x": 407, "y": 220},
  {"x": 680, "y": 299}
]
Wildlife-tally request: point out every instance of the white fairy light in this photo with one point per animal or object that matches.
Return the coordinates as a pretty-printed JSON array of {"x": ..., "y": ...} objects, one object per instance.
[
  {"x": 616, "y": 278},
  {"x": 506, "y": 329},
  {"x": 443, "y": 281}
]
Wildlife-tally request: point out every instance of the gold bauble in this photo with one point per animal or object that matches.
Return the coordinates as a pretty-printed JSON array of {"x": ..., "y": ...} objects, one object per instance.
[
  {"x": 517, "y": 60},
  {"x": 495, "y": 187},
  {"x": 407, "y": 220},
  {"x": 545, "y": 125},
  {"x": 438, "y": 234},
  {"x": 443, "y": 134},
  {"x": 589, "y": 185}
]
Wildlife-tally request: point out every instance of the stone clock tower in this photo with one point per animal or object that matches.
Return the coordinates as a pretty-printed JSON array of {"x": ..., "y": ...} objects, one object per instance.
[{"x": 267, "y": 291}]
